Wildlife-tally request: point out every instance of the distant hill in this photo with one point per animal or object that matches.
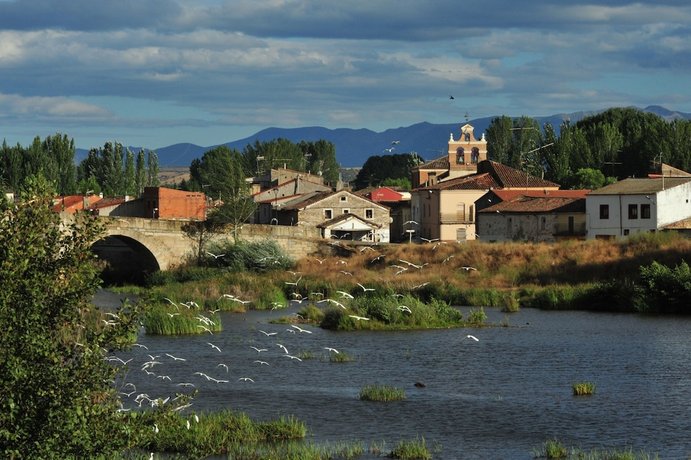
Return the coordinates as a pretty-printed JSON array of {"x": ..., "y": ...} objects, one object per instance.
[{"x": 355, "y": 146}]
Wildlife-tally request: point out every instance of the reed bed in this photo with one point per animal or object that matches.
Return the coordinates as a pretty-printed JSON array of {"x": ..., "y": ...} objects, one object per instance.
[
  {"x": 411, "y": 450},
  {"x": 555, "y": 449},
  {"x": 381, "y": 393},
  {"x": 160, "y": 321},
  {"x": 583, "y": 388}
]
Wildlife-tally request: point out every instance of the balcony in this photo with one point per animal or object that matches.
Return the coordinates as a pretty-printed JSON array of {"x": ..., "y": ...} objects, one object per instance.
[{"x": 455, "y": 218}]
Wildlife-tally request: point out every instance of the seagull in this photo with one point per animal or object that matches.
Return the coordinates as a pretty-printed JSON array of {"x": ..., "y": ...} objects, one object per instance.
[
  {"x": 345, "y": 295},
  {"x": 359, "y": 318},
  {"x": 258, "y": 350},
  {"x": 175, "y": 358},
  {"x": 246, "y": 379},
  {"x": 293, "y": 283},
  {"x": 334, "y": 302},
  {"x": 395, "y": 142},
  {"x": 448, "y": 258},
  {"x": 420, "y": 285},
  {"x": 472, "y": 337},
  {"x": 213, "y": 346},
  {"x": 300, "y": 329},
  {"x": 268, "y": 334},
  {"x": 451, "y": 97},
  {"x": 410, "y": 222},
  {"x": 364, "y": 288},
  {"x": 346, "y": 272},
  {"x": 283, "y": 347},
  {"x": 292, "y": 357},
  {"x": 206, "y": 329},
  {"x": 332, "y": 349},
  {"x": 468, "y": 268},
  {"x": 321, "y": 261},
  {"x": 223, "y": 366},
  {"x": 261, "y": 362},
  {"x": 141, "y": 346},
  {"x": 404, "y": 308},
  {"x": 215, "y": 256},
  {"x": 172, "y": 314}
]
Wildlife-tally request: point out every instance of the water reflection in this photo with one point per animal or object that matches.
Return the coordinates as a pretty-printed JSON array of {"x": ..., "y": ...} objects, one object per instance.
[{"x": 499, "y": 397}]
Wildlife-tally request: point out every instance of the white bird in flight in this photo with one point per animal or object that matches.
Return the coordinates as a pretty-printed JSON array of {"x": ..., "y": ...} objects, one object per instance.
[
  {"x": 472, "y": 337},
  {"x": 213, "y": 346}
]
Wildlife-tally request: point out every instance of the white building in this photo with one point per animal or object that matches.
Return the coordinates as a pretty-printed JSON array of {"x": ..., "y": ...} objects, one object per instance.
[{"x": 637, "y": 205}]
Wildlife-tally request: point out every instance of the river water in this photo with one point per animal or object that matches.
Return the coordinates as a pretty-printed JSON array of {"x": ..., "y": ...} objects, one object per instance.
[{"x": 499, "y": 397}]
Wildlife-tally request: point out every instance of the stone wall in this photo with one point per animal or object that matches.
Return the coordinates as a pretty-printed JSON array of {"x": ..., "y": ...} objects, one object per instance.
[{"x": 297, "y": 241}]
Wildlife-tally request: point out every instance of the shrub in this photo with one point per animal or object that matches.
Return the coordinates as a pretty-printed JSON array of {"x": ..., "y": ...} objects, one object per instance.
[
  {"x": 261, "y": 256},
  {"x": 664, "y": 290}
]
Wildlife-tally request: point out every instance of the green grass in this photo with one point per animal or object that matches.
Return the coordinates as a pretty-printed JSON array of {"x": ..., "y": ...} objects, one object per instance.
[
  {"x": 411, "y": 450},
  {"x": 555, "y": 449},
  {"x": 158, "y": 321},
  {"x": 340, "y": 357},
  {"x": 381, "y": 393},
  {"x": 583, "y": 388}
]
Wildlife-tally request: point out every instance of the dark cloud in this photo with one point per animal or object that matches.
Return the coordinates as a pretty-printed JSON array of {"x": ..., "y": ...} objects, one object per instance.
[{"x": 86, "y": 14}]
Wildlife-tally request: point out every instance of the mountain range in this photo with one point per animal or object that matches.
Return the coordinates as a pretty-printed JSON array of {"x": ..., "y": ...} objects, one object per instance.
[{"x": 355, "y": 146}]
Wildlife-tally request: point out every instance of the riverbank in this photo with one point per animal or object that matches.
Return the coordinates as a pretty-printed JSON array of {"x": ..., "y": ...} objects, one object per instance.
[{"x": 590, "y": 275}]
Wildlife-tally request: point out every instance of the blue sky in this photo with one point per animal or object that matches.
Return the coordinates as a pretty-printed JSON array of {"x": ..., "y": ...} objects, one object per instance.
[{"x": 157, "y": 72}]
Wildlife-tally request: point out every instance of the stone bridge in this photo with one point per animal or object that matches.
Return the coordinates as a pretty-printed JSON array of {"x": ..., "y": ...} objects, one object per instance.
[{"x": 135, "y": 246}]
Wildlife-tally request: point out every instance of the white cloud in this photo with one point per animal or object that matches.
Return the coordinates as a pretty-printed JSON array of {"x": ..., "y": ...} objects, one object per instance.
[{"x": 46, "y": 107}]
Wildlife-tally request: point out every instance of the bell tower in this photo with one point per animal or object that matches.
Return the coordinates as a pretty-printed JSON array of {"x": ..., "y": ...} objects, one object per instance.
[{"x": 466, "y": 152}]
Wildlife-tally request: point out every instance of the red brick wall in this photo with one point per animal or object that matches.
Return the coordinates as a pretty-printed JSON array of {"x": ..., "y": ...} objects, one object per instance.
[{"x": 174, "y": 204}]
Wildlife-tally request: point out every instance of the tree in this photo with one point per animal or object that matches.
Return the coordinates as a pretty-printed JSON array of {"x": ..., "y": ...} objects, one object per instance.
[
  {"x": 321, "y": 159},
  {"x": 220, "y": 172},
  {"x": 55, "y": 399},
  {"x": 140, "y": 173},
  {"x": 499, "y": 139},
  {"x": 129, "y": 183},
  {"x": 378, "y": 169},
  {"x": 152, "y": 169}
]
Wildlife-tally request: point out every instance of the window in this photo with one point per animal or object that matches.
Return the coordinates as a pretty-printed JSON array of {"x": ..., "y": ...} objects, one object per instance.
[
  {"x": 475, "y": 155},
  {"x": 543, "y": 223},
  {"x": 346, "y": 211},
  {"x": 645, "y": 211},
  {"x": 604, "y": 211},
  {"x": 344, "y": 198},
  {"x": 633, "y": 211},
  {"x": 460, "y": 156},
  {"x": 369, "y": 213},
  {"x": 328, "y": 213}
]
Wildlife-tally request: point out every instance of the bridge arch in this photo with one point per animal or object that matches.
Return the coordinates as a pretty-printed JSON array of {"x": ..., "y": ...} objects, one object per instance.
[{"x": 125, "y": 259}]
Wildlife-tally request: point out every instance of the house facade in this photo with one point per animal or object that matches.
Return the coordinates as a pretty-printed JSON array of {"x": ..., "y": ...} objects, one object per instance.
[
  {"x": 632, "y": 206},
  {"x": 340, "y": 214},
  {"x": 535, "y": 216},
  {"x": 270, "y": 200},
  {"x": 446, "y": 210},
  {"x": 398, "y": 202}
]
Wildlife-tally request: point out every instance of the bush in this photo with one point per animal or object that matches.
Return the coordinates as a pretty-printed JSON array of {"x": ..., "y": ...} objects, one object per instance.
[
  {"x": 383, "y": 393},
  {"x": 583, "y": 388},
  {"x": 259, "y": 256},
  {"x": 664, "y": 290}
]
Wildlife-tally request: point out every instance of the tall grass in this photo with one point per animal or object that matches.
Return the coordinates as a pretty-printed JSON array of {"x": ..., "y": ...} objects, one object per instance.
[
  {"x": 166, "y": 321},
  {"x": 583, "y": 388},
  {"x": 411, "y": 450},
  {"x": 382, "y": 393}
]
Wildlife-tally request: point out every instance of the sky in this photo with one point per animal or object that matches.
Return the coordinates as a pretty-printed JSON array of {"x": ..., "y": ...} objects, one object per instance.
[{"x": 151, "y": 73}]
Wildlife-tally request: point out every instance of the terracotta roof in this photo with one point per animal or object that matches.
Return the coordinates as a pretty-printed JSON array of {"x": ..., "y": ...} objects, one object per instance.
[
  {"x": 510, "y": 177},
  {"x": 640, "y": 186},
  {"x": 506, "y": 195},
  {"x": 105, "y": 202},
  {"x": 537, "y": 204},
  {"x": 311, "y": 198},
  {"x": 471, "y": 182},
  {"x": 437, "y": 163}
]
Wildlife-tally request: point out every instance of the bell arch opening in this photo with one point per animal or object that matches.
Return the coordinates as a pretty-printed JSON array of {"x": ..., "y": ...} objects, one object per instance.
[{"x": 124, "y": 260}]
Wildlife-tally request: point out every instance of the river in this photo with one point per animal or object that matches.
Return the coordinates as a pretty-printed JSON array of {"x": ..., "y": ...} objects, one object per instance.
[{"x": 499, "y": 397}]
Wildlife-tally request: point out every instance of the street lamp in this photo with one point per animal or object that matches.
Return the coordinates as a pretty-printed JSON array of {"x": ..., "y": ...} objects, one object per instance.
[{"x": 153, "y": 213}]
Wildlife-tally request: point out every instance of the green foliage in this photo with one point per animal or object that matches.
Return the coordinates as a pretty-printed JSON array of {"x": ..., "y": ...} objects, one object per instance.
[
  {"x": 377, "y": 169},
  {"x": 168, "y": 321},
  {"x": 583, "y": 388},
  {"x": 411, "y": 450},
  {"x": 589, "y": 178},
  {"x": 477, "y": 317},
  {"x": 553, "y": 449},
  {"x": 381, "y": 393},
  {"x": 664, "y": 289},
  {"x": 260, "y": 256},
  {"x": 55, "y": 399}
]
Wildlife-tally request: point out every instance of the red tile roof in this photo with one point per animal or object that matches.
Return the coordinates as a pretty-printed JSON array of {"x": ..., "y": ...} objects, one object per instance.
[{"x": 537, "y": 204}]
